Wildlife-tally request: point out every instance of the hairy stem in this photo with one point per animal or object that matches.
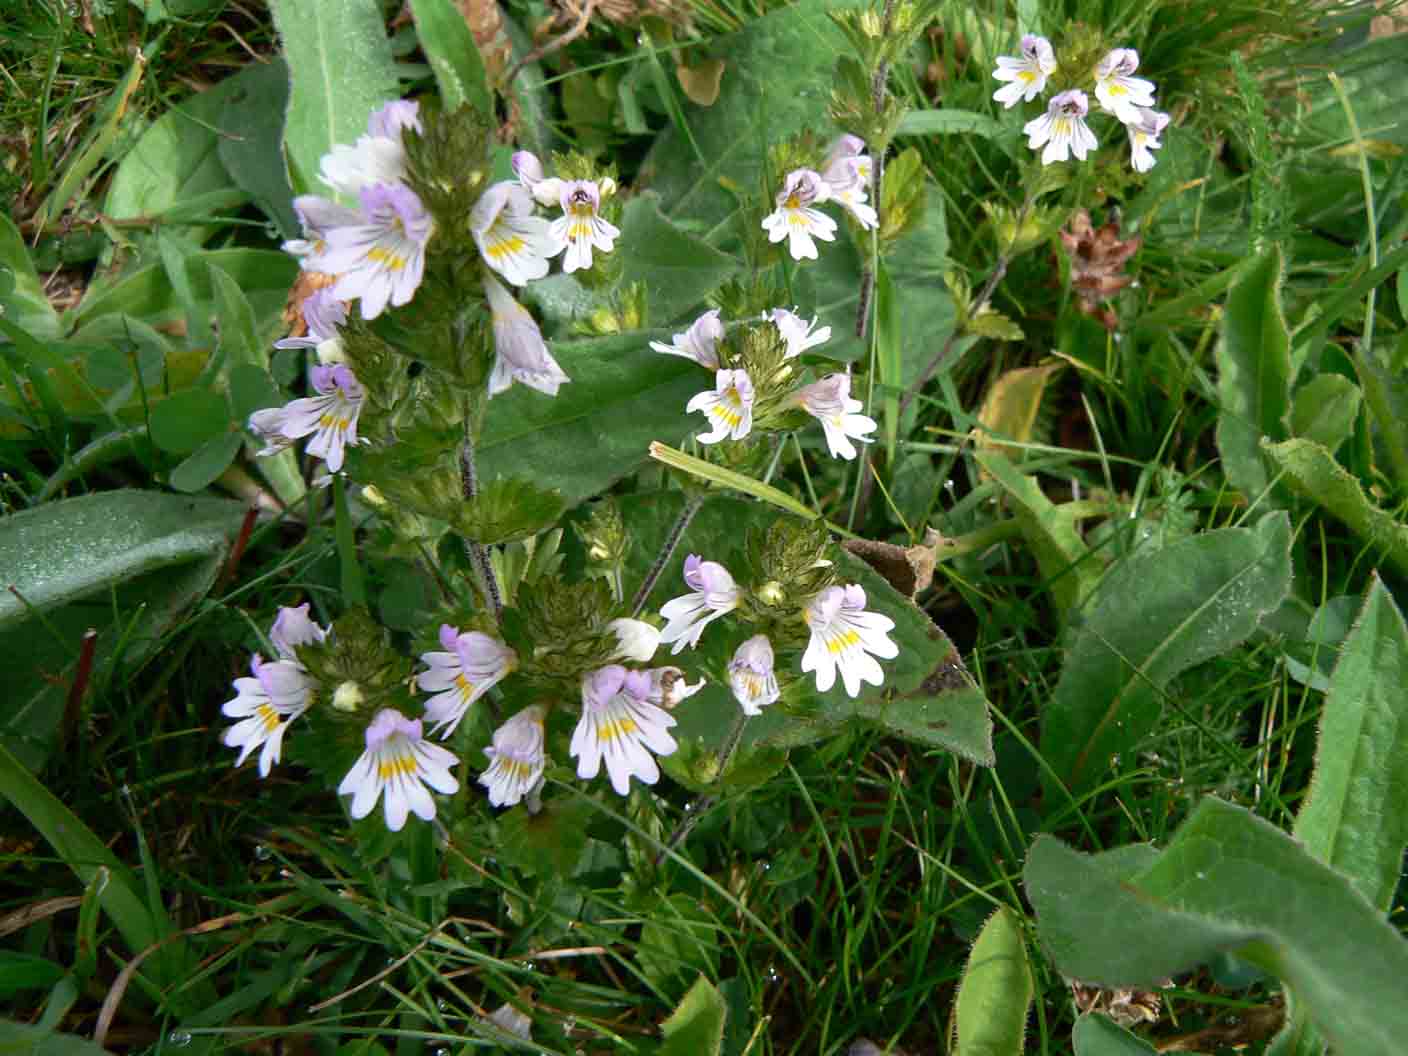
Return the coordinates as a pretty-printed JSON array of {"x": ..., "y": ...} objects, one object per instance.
[
  {"x": 666, "y": 552},
  {"x": 698, "y": 807},
  {"x": 478, "y": 552}
]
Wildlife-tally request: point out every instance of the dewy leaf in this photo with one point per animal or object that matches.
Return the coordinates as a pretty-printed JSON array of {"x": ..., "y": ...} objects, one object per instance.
[
  {"x": 1325, "y": 410},
  {"x": 251, "y": 140},
  {"x": 995, "y": 993},
  {"x": 1355, "y": 816},
  {"x": 446, "y": 39},
  {"x": 1097, "y": 1035},
  {"x": 599, "y": 426},
  {"x": 1254, "y": 361},
  {"x": 696, "y": 1026},
  {"x": 1228, "y": 881},
  {"x": 505, "y": 510},
  {"x": 1154, "y": 616},
  {"x": 341, "y": 66},
  {"x": 678, "y": 270},
  {"x": 1313, "y": 472}
]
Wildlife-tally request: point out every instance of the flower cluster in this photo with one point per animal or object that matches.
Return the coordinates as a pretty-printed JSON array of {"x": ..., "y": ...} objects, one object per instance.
[
  {"x": 844, "y": 178},
  {"x": 1062, "y": 130},
  {"x": 729, "y": 405}
]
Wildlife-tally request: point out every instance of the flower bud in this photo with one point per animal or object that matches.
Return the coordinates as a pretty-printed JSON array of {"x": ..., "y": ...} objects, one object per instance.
[{"x": 347, "y": 697}]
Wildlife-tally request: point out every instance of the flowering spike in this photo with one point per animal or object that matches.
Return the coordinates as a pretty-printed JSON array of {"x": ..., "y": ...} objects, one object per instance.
[
  {"x": 471, "y": 665},
  {"x": 621, "y": 726},
  {"x": 1026, "y": 76},
  {"x": 794, "y": 218},
  {"x": 714, "y": 593},
  {"x": 516, "y": 760},
  {"x": 843, "y": 638},
  {"x": 699, "y": 343},
  {"x": 729, "y": 407},
  {"x": 1062, "y": 128},
  {"x": 399, "y": 762}
]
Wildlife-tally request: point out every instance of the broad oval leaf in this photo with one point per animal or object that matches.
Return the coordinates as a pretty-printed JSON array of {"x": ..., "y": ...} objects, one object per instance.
[{"x": 995, "y": 993}]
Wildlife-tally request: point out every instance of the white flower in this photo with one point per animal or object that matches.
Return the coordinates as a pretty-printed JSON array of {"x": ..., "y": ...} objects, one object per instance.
[
  {"x": 377, "y": 157},
  {"x": 278, "y": 693},
  {"x": 714, "y": 593},
  {"x": 799, "y": 334},
  {"x": 794, "y": 218},
  {"x": 829, "y": 401},
  {"x": 668, "y": 687},
  {"x": 324, "y": 315},
  {"x": 520, "y": 353},
  {"x": 512, "y": 241},
  {"x": 844, "y": 636},
  {"x": 382, "y": 257},
  {"x": 847, "y": 177},
  {"x": 294, "y": 627},
  {"x": 317, "y": 216},
  {"x": 728, "y": 406},
  {"x": 330, "y": 416},
  {"x": 1144, "y": 138},
  {"x": 1062, "y": 128},
  {"x": 399, "y": 762},
  {"x": 516, "y": 760},
  {"x": 751, "y": 677},
  {"x": 1118, "y": 92},
  {"x": 529, "y": 171},
  {"x": 580, "y": 227},
  {"x": 621, "y": 726},
  {"x": 472, "y": 664},
  {"x": 637, "y": 639},
  {"x": 1027, "y": 75},
  {"x": 699, "y": 343}
]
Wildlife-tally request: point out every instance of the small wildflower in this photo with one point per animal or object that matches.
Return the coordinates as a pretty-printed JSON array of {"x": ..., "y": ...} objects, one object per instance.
[
  {"x": 829, "y": 401},
  {"x": 330, "y": 416},
  {"x": 580, "y": 227},
  {"x": 729, "y": 406},
  {"x": 714, "y": 594},
  {"x": 520, "y": 353},
  {"x": 751, "y": 677},
  {"x": 529, "y": 170},
  {"x": 294, "y": 627},
  {"x": 1144, "y": 138},
  {"x": 513, "y": 241},
  {"x": 377, "y": 157},
  {"x": 381, "y": 258},
  {"x": 393, "y": 118},
  {"x": 265, "y": 704},
  {"x": 847, "y": 177},
  {"x": 1062, "y": 128},
  {"x": 799, "y": 334},
  {"x": 471, "y": 665},
  {"x": 516, "y": 760},
  {"x": 699, "y": 343},
  {"x": 348, "y": 696},
  {"x": 668, "y": 687},
  {"x": 1026, "y": 76},
  {"x": 399, "y": 762},
  {"x": 317, "y": 216},
  {"x": 1117, "y": 91},
  {"x": 621, "y": 726},
  {"x": 843, "y": 637},
  {"x": 637, "y": 640},
  {"x": 324, "y": 314},
  {"x": 794, "y": 218}
]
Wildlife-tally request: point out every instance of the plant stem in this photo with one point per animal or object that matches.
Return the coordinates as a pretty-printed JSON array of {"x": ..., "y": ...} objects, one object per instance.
[
  {"x": 698, "y": 807},
  {"x": 478, "y": 552},
  {"x": 666, "y": 552}
]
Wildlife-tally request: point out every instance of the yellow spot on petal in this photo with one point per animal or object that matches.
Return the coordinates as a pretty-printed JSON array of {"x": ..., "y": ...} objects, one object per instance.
[
  {"x": 614, "y": 729},
  {"x": 387, "y": 259},
  {"x": 397, "y": 766},
  {"x": 1026, "y": 76},
  {"x": 499, "y": 247},
  {"x": 841, "y": 642}
]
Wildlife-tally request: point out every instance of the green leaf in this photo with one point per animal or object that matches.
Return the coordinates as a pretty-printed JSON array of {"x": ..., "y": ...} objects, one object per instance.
[
  {"x": 341, "y": 66},
  {"x": 25, "y": 971},
  {"x": 36, "y": 1041},
  {"x": 1228, "y": 881},
  {"x": 1354, "y": 816},
  {"x": 678, "y": 270},
  {"x": 206, "y": 462},
  {"x": 22, "y": 297},
  {"x": 449, "y": 45},
  {"x": 947, "y": 122},
  {"x": 548, "y": 843},
  {"x": 680, "y": 936},
  {"x": 599, "y": 427},
  {"x": 995, "y": 993},
  {"x": 1386, "y": 394},
  {"x": 1325, "y": 410},
  {"x": 1254, "y": 359},
  {"x": 505, "y": 510},
  {"x": 696, "y": 1026},
  {"x": 251, "y": 389},
  {"x": 251, "y": 141},
  {"x": 186, "y": 420},
  {"x": 1097, "y": 1035},
  {"x": 1313, "y": 472},
  {"x": 1154, "y": 616},
  {"x": 239, "y": 333}
]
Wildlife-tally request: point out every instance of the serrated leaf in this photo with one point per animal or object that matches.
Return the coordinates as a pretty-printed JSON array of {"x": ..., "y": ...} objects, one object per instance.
[
  {"x": 1155, "y": 615},
  {"x": 1325, "y": 410},
  {"x": 995, "y": 992},
  {"x": 678, "y": 270},
  {"x": 449, "y": 45},
  {"x": 696, "y": 1026},
  {"x": 505, "y": 510}
]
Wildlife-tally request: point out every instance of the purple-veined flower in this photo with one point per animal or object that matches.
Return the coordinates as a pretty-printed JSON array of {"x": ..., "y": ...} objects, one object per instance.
[
  {"x": 377, "y": 157},
  {"x": 393, "y": 118},
  {"x": 294, "y": 627},
  {"x": 794, "y": 218},
  {"x": 265, "y": 704},
  {"x": 847, "y": 177},
  {"x": 381, "y": 258},
  {"x": 799, "y": 334},
  {"x": 512, "y": 241},
  {"x": 728, "y": 406},
  {"x": 520, "y": 353},
  {"x": 580, "y": 227},
  {"x": 317, "y": 216},
  {"x": 471, "y": 665},
  {"x": 330, "y": 417},
  {"x": 751, "y": 676},
  {"x": 546, "y": 191},
  {"x": 1026, "y": 76},
  {"x": 829, "y": 402},
  {"x": 699, "y": 343},
  {"x": 713, "y": 593},
  {"x": 323, "y": 314},
  {"x": 397, "y": 766},
  {"x": 1144, "y": 138},
  {"x": 1117, "y": 91},
  {"x": 516, "y": 760},
  {"x": 1062, "y": 128},
  {"x": 844, "y": 637},
  {"x": 621, "y": 727}
]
